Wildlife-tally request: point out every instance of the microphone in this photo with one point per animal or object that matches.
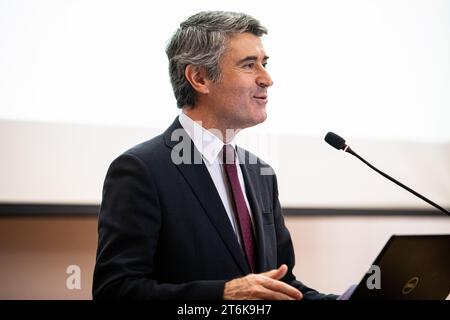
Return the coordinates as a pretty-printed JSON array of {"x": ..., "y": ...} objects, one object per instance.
[{"x": 339, "y": 143}]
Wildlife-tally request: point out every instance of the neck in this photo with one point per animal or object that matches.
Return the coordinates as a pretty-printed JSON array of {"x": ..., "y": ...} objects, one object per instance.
[{"x": 210, "y": 123}]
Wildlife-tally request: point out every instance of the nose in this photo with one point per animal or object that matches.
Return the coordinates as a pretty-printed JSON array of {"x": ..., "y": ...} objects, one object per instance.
[{"x": 264, "y": 80}]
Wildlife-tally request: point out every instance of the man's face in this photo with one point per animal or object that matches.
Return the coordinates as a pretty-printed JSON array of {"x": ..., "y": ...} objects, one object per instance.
[{"x": 239, "y": 99}]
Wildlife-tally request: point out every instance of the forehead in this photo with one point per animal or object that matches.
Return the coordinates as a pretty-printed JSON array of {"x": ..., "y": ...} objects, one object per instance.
[{"x": 242, "y": 45}]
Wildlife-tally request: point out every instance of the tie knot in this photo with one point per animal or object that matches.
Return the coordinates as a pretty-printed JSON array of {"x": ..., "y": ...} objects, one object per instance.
[{"x": 228, "y": 154}]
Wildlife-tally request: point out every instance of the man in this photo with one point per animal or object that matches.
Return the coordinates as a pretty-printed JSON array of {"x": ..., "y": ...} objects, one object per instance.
[{"x": 188, "y": 214}]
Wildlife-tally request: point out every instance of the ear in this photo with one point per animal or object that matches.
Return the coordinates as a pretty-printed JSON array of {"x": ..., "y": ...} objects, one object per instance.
[{"x": 197, "y": 78}]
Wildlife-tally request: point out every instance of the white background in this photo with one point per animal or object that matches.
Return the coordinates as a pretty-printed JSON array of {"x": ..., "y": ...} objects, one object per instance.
[
  {"x": 365, "y": 69},
  {"x": 83, "y": 81}
]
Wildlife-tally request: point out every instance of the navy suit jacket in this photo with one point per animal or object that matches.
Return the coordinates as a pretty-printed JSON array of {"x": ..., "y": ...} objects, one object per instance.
[{"x": 164, "y": 233}]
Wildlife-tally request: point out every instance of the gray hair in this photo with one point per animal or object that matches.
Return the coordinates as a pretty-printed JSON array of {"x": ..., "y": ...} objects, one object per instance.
[{"x": 200, "y": 41}]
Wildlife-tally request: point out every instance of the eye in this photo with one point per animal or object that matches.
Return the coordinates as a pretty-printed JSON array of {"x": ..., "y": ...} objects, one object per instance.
[
  {"x": 265, "y": 64},
  {"x": 250, "y": 65}
]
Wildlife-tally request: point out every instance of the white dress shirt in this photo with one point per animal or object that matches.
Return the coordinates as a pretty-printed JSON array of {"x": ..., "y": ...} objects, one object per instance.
[{"x": 210, "y": 147}]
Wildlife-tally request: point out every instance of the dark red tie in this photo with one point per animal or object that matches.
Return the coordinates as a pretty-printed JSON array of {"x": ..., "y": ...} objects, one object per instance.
[{"x": 241, "y": 211}]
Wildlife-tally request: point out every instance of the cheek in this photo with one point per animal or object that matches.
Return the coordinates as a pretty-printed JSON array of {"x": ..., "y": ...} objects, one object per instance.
[{"x": 237, "y": 93}]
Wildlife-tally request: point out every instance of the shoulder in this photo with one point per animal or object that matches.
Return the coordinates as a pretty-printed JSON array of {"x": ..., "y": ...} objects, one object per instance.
[
  {"x": 148, "y": 150},
  {"x": 151, "y": 154},
  {"x": 157, "y": 151}
]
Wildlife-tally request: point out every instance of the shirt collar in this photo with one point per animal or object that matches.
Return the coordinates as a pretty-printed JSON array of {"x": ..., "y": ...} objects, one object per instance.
[{"x": 208, "y": 144}]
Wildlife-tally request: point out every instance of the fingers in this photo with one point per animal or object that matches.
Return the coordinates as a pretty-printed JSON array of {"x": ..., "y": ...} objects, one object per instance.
[
  {"x": 265, "y": 285},
  {"x": 271, "y": 283},
  {"x": 276, "y": 273},
  {"x": 281, "y": 288},
  {"x": 267, "y": 294},
  {"x": 278, "y": 286}
]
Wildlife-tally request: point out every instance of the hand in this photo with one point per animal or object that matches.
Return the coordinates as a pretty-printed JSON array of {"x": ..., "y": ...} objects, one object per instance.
[{"x": 264, "y": 286}]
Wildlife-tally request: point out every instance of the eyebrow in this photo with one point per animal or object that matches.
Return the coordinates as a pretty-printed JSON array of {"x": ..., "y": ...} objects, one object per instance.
[{"x": 252, "y": 58}]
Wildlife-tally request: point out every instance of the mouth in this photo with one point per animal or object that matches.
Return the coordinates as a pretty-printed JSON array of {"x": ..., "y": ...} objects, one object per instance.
[{"x": 262, "y": 98}]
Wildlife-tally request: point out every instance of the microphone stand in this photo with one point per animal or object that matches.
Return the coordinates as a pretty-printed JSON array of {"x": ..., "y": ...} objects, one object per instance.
[{"x": 346, "y": 148}]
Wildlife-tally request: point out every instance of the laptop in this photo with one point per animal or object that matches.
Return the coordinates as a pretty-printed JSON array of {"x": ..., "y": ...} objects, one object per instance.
[{"x": 410, "y": 267}]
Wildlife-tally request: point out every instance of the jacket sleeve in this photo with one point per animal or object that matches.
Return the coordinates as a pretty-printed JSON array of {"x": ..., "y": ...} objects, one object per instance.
[
  {"x": 128, "y": 228},
  {"x": 285, "y": 252}
]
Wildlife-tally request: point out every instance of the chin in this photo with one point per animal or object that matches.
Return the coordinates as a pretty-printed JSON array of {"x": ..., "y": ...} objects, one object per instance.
[{"x": 260, "y": 118}]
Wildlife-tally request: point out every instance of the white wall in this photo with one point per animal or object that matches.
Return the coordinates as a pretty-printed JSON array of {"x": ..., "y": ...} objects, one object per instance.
[
  {"x": 368, "y": 69},
  {"x": 81, "y": 81},
  {"x": 67, "y": 163}
]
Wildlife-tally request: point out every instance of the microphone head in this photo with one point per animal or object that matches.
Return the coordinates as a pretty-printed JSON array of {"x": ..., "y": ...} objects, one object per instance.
[{"x": 335, "y": 141}]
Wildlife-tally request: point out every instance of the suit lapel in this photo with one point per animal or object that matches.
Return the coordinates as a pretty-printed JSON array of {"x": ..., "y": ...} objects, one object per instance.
[{"x": 197, "y": 176}]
